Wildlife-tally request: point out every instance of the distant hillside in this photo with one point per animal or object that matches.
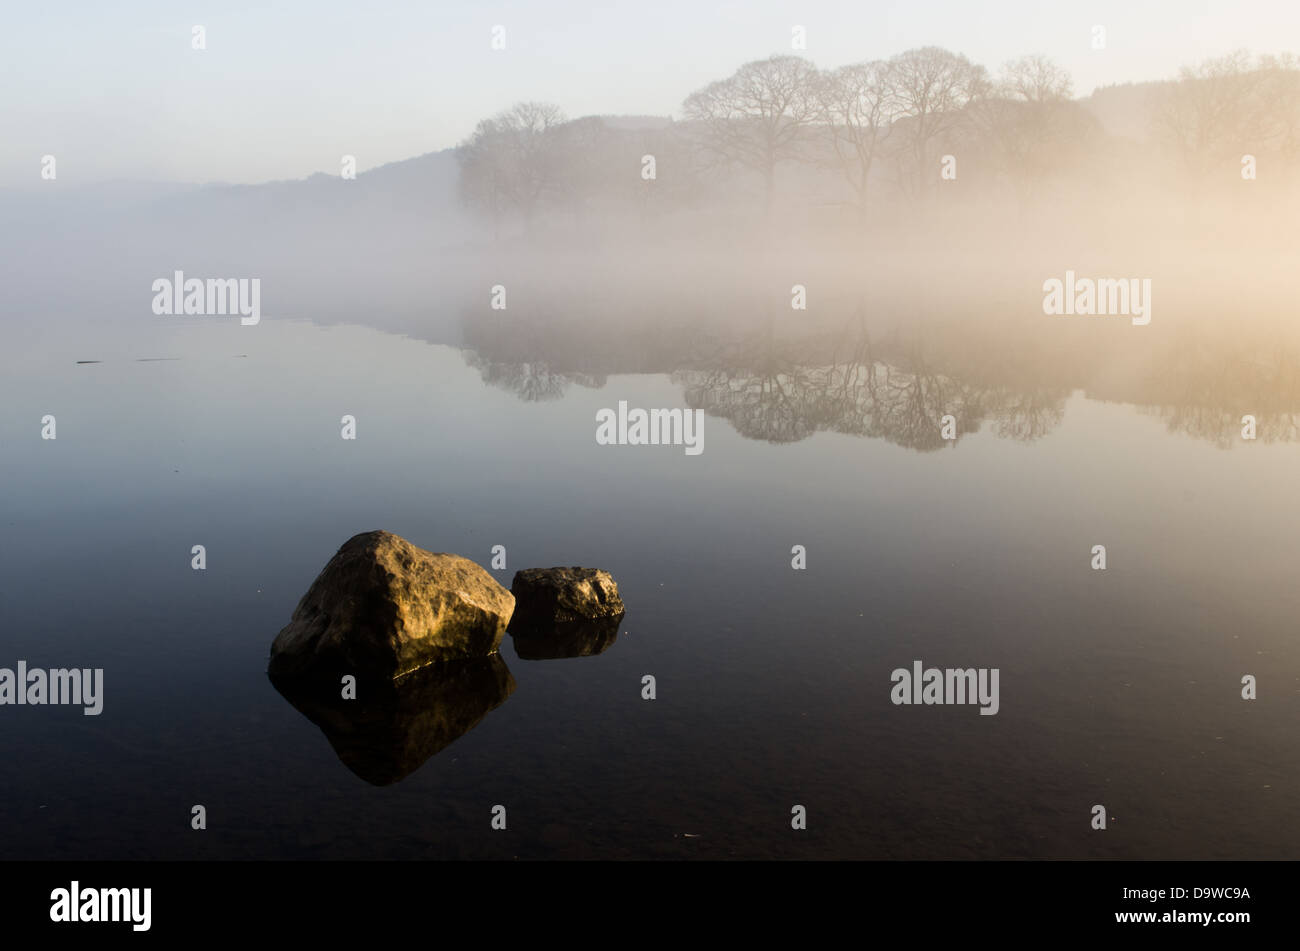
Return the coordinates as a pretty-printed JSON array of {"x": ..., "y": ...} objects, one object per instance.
[{"x": 324, "y": 246}]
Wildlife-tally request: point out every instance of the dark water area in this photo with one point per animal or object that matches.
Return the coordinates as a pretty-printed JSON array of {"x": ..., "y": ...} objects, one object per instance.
[{"x": 1119, "y": 687}]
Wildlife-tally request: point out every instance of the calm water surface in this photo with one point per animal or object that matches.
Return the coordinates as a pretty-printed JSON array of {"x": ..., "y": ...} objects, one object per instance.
[{"x": 1119, "y": 687}]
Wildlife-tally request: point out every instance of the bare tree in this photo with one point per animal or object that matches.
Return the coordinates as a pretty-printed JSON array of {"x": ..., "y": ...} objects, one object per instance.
[
  {"x": 759, "y": 116},
  {"x": 512, "y": 160},
  {"x": 1282, "y": 102},
  {"x": 931, "y": 89},
  {"x": 1030, "y": 122},
  {"x": 1035, "y": 79},
  {"x": 1215, "y": 111},
  {"x": 856, "y": 103}
]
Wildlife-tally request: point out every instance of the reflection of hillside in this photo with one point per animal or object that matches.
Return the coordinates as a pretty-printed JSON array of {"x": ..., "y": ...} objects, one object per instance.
[
  {"x": 857, "y": 387},
  {"x": 1205, "y": 389},
  {"x": 782, "y": 389},
  {"x": 859, "y": 399},
  {"x": 532, "y": 381},
  {"x": 538, "y": 358}
]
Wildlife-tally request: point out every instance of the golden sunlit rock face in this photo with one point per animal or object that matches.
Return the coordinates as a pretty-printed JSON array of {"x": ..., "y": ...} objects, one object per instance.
[{"x": 383, "y": 606}]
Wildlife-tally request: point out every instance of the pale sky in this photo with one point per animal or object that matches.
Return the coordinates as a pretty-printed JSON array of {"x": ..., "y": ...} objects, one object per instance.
[{"x": 283, "y": 89}]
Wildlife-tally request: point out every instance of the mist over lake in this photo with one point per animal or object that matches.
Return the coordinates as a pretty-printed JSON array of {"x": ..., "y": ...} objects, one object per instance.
[{"x": 840, "y": 381}]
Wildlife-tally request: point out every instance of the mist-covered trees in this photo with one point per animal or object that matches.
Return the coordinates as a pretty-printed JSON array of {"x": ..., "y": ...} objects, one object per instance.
[
  {"x": 1282, "y": 94},
  {"x": 1029, "y": 125},
  {"x": 759, "y": 116},
  {"x": 872, "y": 135},
  {"x": 1034, "y": 79},
  {"x": 513, "y": 160},
  {"x": 784, "y": 109},
  {"x": 530, "y": 157},
  {"x": 931, "y": 89},
  {"x": 1232, "y": 105},
  {"x": 857, "y": 104}
]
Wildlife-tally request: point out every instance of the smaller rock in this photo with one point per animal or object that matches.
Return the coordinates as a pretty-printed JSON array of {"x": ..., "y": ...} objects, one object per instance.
[{"x": 545, "y": 596}]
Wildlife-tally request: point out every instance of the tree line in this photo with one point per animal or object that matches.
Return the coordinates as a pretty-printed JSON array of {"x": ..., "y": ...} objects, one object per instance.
[{"x": 869, "y": 134}]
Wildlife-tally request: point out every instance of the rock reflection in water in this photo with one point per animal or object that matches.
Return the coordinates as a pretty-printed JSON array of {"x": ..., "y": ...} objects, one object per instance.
[
  {"x": 584, "y": 638},
  {"x": 394, "y": 727}
]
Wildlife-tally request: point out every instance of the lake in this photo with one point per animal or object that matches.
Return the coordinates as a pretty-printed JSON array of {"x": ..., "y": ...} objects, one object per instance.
[{"x": 1120, "y": 687}]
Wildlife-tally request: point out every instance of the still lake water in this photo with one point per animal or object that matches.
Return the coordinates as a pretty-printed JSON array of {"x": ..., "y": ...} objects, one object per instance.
[{"x": 1119, "y": 687}]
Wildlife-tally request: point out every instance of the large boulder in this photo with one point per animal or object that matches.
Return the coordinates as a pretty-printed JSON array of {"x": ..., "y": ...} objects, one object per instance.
[
  {"x": 545, "y": 596},
  {"x": 382, "y": 606}
]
